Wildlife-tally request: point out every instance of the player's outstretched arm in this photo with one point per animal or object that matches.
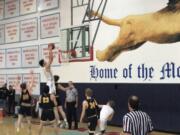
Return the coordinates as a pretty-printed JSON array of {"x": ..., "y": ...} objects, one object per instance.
[
  {"x": 60, "y": 87},
  {"x": 100, "y": 106},
  {"x": 50, "y": 58},
  {"x": 17, "y": 83},
  {"x": 31, "y": 83},
  {"x": 84, "y": 107}
]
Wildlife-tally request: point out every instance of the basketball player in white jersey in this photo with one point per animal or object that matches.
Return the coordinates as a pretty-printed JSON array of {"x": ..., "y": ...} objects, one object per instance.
[
  {"x": 49, "y": 76},
  {"x": 47, "y": 69},
  {"x": 106, "y": 114}
]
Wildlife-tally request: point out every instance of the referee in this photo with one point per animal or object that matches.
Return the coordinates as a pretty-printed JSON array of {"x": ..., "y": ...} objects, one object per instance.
[
  {"x": 71, "y": 104},
  {"x": 136, "y": 122}
]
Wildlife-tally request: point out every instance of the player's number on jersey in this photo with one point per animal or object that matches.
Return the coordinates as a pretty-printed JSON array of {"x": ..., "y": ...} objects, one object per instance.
[
  {"x": 92, "y": 105},
  {"x": 45, "y": 100}
]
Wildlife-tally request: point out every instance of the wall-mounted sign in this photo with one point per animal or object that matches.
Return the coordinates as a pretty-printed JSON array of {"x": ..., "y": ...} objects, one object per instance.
[
  {"x": 2, "y": 58},
  {"x": 30, "y": 56},
  {"x": 2, "y": 38},
  {"x": 12, "y": 32},
  {"x": 28, "y": 6},
  {"x": 11, "y": 8},
  {"x": 50, "y": 25},
  {"x": 13, "y": 58},
  {"x": 48, "y": 4},
  {"x": 29, "y": 29}
]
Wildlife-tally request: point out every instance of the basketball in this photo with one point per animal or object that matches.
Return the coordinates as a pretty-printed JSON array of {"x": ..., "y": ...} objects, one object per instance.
[{"x": 51, "y": 45}]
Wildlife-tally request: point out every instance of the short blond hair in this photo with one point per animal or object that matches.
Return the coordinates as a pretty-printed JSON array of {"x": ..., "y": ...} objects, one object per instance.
[{"x": 89, "y": 92}]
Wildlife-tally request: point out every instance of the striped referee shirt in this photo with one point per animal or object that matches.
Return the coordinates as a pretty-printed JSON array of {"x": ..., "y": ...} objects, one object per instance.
[{"x": 137, "y": 123}]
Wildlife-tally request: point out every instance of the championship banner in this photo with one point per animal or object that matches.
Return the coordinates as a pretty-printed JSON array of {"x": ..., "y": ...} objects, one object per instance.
[
  {"x": 2, "y": 58},
  {"x": 11, "y": 8},
  {"x": 13, "y": 58},
  {"x": 48, "y": 4},
  {"x": 3, "y": 80},
  {"x": 15, "y": 80},
  {"x": 29, "y": 29},
  {"x": 36, "y": 84},
  {"x": 1, "y": 9},
  {"x": 2, "y": 38},
  {"x": 28, "y": 6},
  {"x": 44, "y": 54},
  {"x": 12, "y": 32},
  {"x": 30, "y": 56},
  {"x": 50, "y": 25}
]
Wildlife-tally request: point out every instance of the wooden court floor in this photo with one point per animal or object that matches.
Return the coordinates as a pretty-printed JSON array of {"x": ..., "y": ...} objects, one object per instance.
[{"x": 7, "y": 127}]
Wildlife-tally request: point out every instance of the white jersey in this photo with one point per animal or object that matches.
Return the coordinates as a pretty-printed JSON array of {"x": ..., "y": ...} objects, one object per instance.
[
  {"x": 49, "y": 75},
  {"x": 106, "y": 111},
  {"x": 50, "y": 81}
]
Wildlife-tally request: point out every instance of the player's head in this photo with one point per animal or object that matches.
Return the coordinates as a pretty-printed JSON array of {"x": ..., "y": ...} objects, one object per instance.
[
  {"x": 133, "y": 102},
  {"x": 111, "y": 103},
  {"x": 70, "y": 83},
  {"x": 89, "y": 92},
  {"x": 10, "y": 87},
  {"x": 56, "y": 78},
  {"x": 42, "y": 62},
  {"x": 23, "y": 86},
  {"x": 45, "y": 89},
  {"x": 5, "y": 85}
]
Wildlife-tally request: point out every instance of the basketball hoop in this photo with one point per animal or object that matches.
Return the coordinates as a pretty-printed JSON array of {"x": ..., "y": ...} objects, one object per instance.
[{"x": 64, "y": 56}]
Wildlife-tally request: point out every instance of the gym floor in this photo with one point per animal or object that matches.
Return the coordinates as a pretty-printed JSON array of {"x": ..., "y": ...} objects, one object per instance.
[{"x": 7, "y": 127}]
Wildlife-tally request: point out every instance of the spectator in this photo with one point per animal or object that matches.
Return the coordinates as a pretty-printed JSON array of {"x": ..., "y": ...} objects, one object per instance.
[
  {"x": 3, "y": 96},
  {"x": 11, "y": 100}
]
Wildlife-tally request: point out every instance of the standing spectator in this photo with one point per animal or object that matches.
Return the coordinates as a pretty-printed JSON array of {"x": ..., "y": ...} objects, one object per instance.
[
  {"x": 3, "y": 96},
  {"x": 71, "y": 104},
  {"x": 11, "y": 100},
  {"x": 136, "y": 122}
]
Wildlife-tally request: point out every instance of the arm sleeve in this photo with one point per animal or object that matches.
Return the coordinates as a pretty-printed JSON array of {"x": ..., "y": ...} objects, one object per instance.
[{"x": 127, "y": 124}]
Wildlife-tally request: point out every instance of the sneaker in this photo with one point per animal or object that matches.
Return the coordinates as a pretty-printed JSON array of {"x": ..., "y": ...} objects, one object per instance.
[
  {"x": 66, "y": 124},
  {"x": 59, "y": 123},
  {"x": 62, "y": 125},
  {"x": 17, "y": 130}
]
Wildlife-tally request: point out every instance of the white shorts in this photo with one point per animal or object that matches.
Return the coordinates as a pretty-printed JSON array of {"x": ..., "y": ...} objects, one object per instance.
[
  {"x": 52, "y": 88},
  {"x": 102, "y": 124}
]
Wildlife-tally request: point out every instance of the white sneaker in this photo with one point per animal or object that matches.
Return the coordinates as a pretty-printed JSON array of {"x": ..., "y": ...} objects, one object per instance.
[
  {"x": 59, "y": 123},
  {"x": 17, "y": 130},
  {"x": 66, "y": 124},
  {"x": 62, "y": 125}
]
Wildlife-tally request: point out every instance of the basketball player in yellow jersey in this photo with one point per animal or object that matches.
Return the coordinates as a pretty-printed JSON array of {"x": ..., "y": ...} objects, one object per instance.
[
  {"x": 90, "y": 108},
  {"x": 25, "y": 103},
  {"x": 47, "y": 102}
]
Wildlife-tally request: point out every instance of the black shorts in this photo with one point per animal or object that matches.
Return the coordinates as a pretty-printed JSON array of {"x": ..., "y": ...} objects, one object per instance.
[
  {"x": 47, "y": 115},
  {"x": 59, "y": 103},
  {"x": 25, "y": 111},
  {"x": 92, "y": 123}
]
